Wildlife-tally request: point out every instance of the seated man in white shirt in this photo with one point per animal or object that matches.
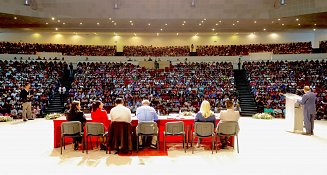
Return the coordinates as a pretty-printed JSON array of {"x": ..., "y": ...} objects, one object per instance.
[
  {"x": 120, "y": 113},
  {"x": 226, "y": 116},
  {"x": 146, "y": 113}
]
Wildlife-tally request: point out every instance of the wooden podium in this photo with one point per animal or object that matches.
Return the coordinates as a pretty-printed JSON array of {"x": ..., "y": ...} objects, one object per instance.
[{"x": 294, "y": 113}]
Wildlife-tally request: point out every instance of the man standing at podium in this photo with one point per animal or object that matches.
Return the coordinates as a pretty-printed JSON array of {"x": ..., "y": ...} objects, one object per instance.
[{"x": 309, "y": 109}]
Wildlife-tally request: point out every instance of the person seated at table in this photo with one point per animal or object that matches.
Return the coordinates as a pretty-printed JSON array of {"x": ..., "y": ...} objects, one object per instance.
[
  {"x": 146, "y": 113},
  {"x": 228, "y": 115},
  {"x": 118, "y": 139},
  {"x": 120, "y": 113},
  {"x": 75, "y": 114},
  {"x": 98, "y": 114},
  {"x": 205, "y": 115}
]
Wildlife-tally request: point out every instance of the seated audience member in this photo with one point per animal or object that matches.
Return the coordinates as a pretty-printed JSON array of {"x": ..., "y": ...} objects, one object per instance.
[
  {"x": 75, "y": 114},
  {"x": 205, "y": 115},
  {"x": 98, "y": 114},
  {"x": 120, "y": 113},
  {"x": 226, "y": 116},
  {"x": 146, "y": 113}
]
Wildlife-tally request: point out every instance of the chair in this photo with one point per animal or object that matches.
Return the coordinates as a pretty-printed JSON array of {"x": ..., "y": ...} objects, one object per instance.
[
  {"x": 146, "y": 129},
  {"x": 95, "y": 129},
  {"x": 174, "y": 129},
  {"x": 71, "y": 129},
  {"x": 228, "y": 128},
  {"x": 204, "y": 130},
  {"x": 120, "y": 137}
]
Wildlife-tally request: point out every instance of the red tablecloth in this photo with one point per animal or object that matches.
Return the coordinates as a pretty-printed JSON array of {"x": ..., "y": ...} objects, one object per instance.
[{"x": 161, "y": 125}]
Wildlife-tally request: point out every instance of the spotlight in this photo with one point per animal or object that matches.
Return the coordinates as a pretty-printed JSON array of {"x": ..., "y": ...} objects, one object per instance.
[
  {"x": 193, "y": 3},
  {"x": 27, "y": 2},
  {"x": 282, "y": 2}
]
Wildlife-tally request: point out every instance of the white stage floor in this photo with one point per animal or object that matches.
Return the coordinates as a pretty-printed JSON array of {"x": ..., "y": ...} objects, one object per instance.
[{"x": 265, "y": 148}]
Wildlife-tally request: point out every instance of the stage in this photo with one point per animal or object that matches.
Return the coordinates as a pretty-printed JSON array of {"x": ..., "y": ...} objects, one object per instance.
[{"x": 265, "y": 148}]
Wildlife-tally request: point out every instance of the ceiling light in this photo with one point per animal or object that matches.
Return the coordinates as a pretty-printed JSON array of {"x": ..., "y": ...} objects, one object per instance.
[
  {"x": 53, "y": 18},
  {"x": 98, "y": 23},
  {"x": 149, "y": 24},
  {"x": 233, "y": 24},
  {"x": 298, "y": 24},
  {"x": 46, "y": 23},
  {"x": 278, "y": 19},
  {"x": 237, "y": 21},
  {"x": 109, "y": 18},
  {"x": 58, "y": 20},
  {"x": 201, "y": 21},
  {"x": 161, "y": 29},
  {"x": 132, "y": 24},
  {"x": 95, "y": 33},
  {"x": 177, "y": 34},
  {"x": 213, "y": 29},
  {"x": 115, "y": 23},
  {"x": 314, "y": 29},
  {"x": 130, "y": 21},
  {"x": 200, "y": 24},
  {"x": 216, "y": 24},
  {"x": 220, "y": 21},
  {"x": 204, "y": 19},
  {"x": 15, "y": 17},
  {"x": 315, "y": 24},
  {"x": 182, "y": 24},
  {"x": 63, "y": 23},
  {"x": 112, "y": 21},
  {"x": 283, "y": 24},
  {"x": 297, "y": 19},
  {"x": 56, "y": 28},
  {"x": 184, "y": 21},
  {"x": 157, "y": 34},
  {"x": 264, "y": 29},
  {"x": 255, "y": 21},
  {"x": 80, "y": 23},
  {"x": 166, "y": 24}
]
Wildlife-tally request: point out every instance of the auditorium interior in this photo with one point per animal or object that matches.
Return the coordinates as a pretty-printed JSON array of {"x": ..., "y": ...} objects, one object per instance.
[{"x": 163, "y": 87}]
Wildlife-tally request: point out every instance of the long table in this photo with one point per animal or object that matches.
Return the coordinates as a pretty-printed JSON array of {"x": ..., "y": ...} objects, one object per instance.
[{"x": 162, "y": 120}]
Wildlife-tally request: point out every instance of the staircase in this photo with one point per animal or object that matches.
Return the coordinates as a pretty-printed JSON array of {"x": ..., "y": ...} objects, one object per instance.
[
  {"x": 247, "y": 101},
  {"x": 55, "y": 105}
]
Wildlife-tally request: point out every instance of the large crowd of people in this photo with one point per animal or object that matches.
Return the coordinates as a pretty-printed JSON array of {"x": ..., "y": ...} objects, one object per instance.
[
  {"x": 236, "y": 50},
  {"x": 323, "y": 46},
  {"x": 71, "y": 50},
  {"x": 43, "y": 77},
  {"x": 271, "y": 80},
  {"x": 177, "y": 88},
  {"x": 156, "y": 51}
]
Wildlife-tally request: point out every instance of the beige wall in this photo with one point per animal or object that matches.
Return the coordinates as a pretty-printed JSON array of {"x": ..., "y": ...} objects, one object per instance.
[{"x": 161, "y": 40}]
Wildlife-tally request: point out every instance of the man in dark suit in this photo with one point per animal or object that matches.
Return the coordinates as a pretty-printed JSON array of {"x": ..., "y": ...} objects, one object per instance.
[
  {"x": 25, "y": 98},
  {"x": 309, "y": 109}
]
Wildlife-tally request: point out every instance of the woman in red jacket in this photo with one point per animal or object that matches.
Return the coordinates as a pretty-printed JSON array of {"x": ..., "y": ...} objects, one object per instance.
[{"x": 98, "y": 114}]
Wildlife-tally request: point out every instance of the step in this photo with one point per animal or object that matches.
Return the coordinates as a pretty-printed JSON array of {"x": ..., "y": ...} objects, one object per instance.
[
  {"x": 249, "y": 107},
  {"x": 246, "y": 114}
]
